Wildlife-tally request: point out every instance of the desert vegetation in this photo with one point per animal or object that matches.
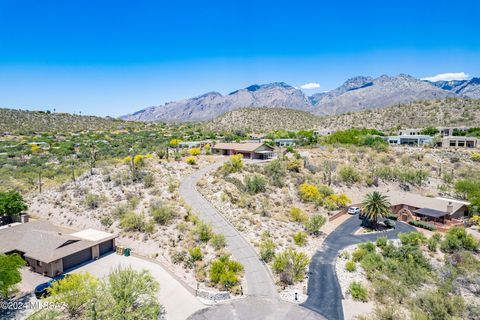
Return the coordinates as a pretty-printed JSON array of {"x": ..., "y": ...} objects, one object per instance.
[{"x": 415, "y": 277}]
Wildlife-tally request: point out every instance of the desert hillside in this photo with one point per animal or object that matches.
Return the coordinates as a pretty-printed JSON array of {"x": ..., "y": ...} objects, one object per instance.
[
  {"x": 38, "y": 121},
  {"x": 446, "y": 112}
]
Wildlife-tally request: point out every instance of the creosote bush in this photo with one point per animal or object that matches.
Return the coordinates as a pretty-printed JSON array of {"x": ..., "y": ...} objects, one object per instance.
[
  {"x": 255, "y": 184},
  {"x": 290, "y": 265},
  {"x": 358, "y": 291},
  {"x": 233, "y": 164},
  {"x": 297, "y": 215},
  {"x": 267, "y": 250},
  {"x": 225, "y": 272},
  {"x": 314, "y": 224}
]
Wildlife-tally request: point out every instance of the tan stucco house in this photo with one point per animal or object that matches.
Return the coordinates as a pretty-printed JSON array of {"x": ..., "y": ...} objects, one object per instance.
[
  {"x": 250, "y": 150},
  {"x": 52, "y": 250}
]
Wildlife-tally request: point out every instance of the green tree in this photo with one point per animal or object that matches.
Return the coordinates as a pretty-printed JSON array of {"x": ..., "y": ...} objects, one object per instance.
[
  {"x": 11, "y": 203},
  {"x": 276, "y": 170},
  {"x": 77, "y": 291},
  {"x": 127, "y": 294},
  {"x": 376, "y": 205},
  {"x": 430, "y": 131},
  {"x": 9, "y": 273}
]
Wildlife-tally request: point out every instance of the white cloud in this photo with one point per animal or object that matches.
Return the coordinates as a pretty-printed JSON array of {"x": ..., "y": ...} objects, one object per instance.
[
  {"x": 448, "y": 76},
  {"x": 311, "y": 85}
]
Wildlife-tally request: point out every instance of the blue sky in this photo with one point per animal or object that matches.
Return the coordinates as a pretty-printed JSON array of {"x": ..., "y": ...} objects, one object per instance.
[{"x": 115, "y": 57}]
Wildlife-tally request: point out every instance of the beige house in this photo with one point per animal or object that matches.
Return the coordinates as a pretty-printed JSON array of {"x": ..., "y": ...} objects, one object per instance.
[
  {"x": 252, "y": 150},
  {"x": 51, "y": 250},
  {"x": 410, "y": 206},
  {"x": 460, "y": 142}
]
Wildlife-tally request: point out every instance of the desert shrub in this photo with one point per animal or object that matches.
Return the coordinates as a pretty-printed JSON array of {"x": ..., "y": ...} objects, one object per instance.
[
  {"x": 414, "y": 238},
  {"x": 423, "y": 225},
  {"x": 92, "y": 201},
  {"x": 131, "y": 221},
  {"x": 218, "y": 241},
  {"x": 345, "y": 255},
  {"x": 255, "y": 184},
  {"x": 457, "y": 238},
  {"x": 106, "y": 221},
  {"x": 194, "y": 152},
  {"x": 358, "y": 254},
  {"x": 297, "y": 215},
  {"x": 358, "y": 291},
  {"x": 294, "y": 165},
  {"x": 195, "y": 254},
  {"x": 434, "y": 241},
  {"x": 314, "y": 224},
  {"x": 300, "y": 238},
  {"x": 148, "y": 180},
  {"x": 390, "y": 223},
  {"x": 372, "y": 262},
  {"x": 368, "y": 246},
  {"x": 290, "y": 265},
  {"x": 179, "y": 256},
  {"x": 267, "y": 250},
  {"x": 191, "y": 160},
  {"x": 225, "y": 272},
  {"x": 161, "y": 213},
  {"x": 381, "y": 242},
  {"x": 308, "y": 192},
  {"x": 276, "y": 171},
  {"x": 439, "y": 305},
  {"x": 233, "y": 164},
  {"x": 348, "y": 175},
  {"x": 11, "y": 203},
  {"x": 350, "y": 266},
  {"x": 203, "y": 231},
  {"x": 475, "y": 156}
]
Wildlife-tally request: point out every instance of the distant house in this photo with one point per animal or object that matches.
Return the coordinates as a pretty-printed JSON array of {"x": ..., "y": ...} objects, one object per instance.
[
  {"x": 285, "y": 142},
  {"x": 51, "y": 250},
  {"x": 323, "y": 132},
  {"x": 409, "y": 206},
  {"x": 411, "y": 140},
  {"x": 410, "y": 132},
  {"x": 248, "y": 150},
  {"x": 459, "y": 142},
  {"x": 448, "y": 131},
  {"x": 193, "y": 144}
]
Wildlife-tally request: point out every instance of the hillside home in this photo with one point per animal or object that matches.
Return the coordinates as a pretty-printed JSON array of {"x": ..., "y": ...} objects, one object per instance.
[
  {"x": 440, "y": 211},
  {"x": 323, "y": 132},
  {"x": 285, "y": 142},
  {"x": 459, "y": 142},
  {"x": 448, "y": 131},
  {"x": 254, "y": 150},
  {"x": 52, "y": 250},
  {"x": 410, "y": 140},
  {"x": 410, "y": 132}
]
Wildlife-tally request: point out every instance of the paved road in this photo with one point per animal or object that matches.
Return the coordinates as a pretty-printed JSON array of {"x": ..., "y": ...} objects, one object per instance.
[
  {"x": 262, "y": 301},
  {"x": 324, "y": 292},
  {"x": 259, "y": 280}
]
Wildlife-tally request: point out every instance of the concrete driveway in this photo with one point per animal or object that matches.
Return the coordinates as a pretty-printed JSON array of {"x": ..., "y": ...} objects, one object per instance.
[{"x": 179, "y": 302}]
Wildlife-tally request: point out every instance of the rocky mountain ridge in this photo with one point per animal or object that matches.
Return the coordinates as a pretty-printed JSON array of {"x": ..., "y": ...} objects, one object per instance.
[{"x": 358, "y": 93}]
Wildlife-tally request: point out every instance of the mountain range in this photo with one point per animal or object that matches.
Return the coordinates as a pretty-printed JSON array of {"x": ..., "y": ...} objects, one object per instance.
[{"x": 358, "y": 93}]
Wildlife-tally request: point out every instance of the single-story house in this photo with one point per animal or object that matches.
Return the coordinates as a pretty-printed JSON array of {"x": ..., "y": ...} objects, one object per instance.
[
  {"x": 411, "y": 140},
  {"x": 410, "y": 206},
  {"x": 52, "y": 250},
  {"x": 460, "y": 142},
  {"x": 248, "y": 150},
  {"x": 323, "y": 132},
  {"x": 285, "y": 142},
  {"x": 193, "y": 144}
]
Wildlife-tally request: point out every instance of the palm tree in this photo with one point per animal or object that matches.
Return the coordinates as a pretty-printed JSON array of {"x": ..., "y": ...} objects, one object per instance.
[{"x": 375, "y": 205}]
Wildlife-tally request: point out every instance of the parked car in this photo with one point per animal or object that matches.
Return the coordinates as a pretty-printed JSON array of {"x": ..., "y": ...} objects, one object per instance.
[
  {"x": 354, "y": 210},
  {"x": 41, "y": 291}
]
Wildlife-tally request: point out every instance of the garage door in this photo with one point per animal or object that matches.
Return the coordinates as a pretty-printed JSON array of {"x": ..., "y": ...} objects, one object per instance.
[
  {"x": 106, "y": 247},
  {"x": 77, "y": 258}
]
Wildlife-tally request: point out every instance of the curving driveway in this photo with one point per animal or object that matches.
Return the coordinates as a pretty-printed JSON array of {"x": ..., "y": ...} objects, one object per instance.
[
  {"x": 262, "y": 301},
  {"x": 324, "y": 293}
]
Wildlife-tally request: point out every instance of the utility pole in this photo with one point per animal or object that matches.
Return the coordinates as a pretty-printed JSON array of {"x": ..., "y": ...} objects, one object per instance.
[{"x": 40, "y": 181}]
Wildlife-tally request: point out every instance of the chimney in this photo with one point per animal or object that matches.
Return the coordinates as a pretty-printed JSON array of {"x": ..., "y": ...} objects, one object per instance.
[
  {"x": 449, "y": 208},
  {"x": 24, "y": 218}
]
